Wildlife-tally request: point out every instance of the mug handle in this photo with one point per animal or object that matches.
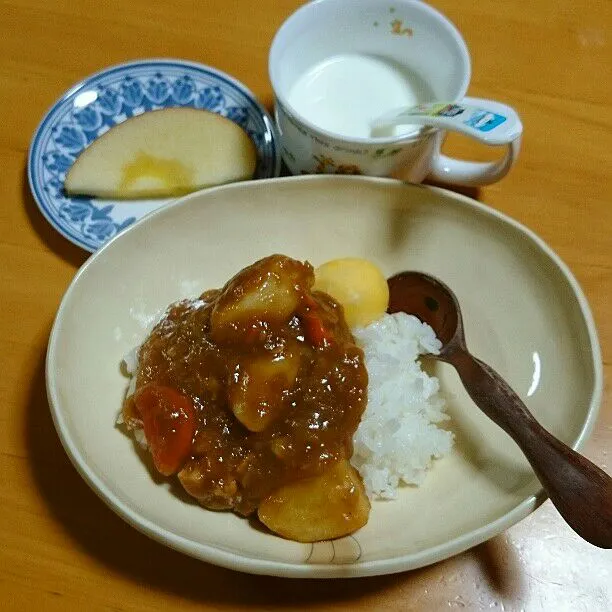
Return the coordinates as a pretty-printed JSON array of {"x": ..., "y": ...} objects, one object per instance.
[{"x": 474, "y": 174}]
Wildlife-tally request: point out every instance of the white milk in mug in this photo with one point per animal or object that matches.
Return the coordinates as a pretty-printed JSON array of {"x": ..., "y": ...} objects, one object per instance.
[{"x": 345, "y": 93}]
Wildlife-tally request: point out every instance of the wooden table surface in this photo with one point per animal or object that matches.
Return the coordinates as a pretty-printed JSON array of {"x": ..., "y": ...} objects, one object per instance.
[{"x": 61, "y": 548}]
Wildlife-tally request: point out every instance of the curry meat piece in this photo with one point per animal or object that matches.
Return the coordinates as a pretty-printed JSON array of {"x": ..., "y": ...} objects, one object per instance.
[{"x": 274, "y": 381}]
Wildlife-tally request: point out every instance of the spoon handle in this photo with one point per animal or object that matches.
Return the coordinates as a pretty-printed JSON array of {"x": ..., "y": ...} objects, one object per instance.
[
  {"x": 581, "y": 492},
  {"x": 488, "y": 121}
]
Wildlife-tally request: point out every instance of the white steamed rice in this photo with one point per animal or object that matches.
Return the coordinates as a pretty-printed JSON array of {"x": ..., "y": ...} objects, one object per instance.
[{"x": 397, "y": 438}]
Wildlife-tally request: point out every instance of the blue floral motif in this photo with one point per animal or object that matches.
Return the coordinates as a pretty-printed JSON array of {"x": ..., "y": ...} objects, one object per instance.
[
  {"x": 183, "y": 89},
  {"x": 54, "y": 185},
  {"x": 109, "y": 101},
  {"x": 158, "y": 89},
  {"x": 210, "y": 98},
  {"x": 58, "y": 162},
  {"x": 76, "y": 210},
  {"x": 100, "y": 230},
  {"x": 101, "y": 213},
  {"x": 239, "y": 115},
  {"x": 95, "y": 223},
  {"x": 88, "y": 118},
  {"x": 132, "y": 92},
  {"x": 71, "y": 138},
  {"x": 123, "y": 92}
]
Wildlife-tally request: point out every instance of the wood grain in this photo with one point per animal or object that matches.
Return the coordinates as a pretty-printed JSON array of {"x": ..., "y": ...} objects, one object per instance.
[{"x": 61, "y": 549}]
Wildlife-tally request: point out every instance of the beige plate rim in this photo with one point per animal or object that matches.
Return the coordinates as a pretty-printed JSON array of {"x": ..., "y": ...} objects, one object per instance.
[{"x": 371, "y": 568}]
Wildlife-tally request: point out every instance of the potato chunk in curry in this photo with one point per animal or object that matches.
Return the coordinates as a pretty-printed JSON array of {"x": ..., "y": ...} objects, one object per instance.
[
  {"x": 318, "y": 508},
  {"x": 251, "y": 394}
]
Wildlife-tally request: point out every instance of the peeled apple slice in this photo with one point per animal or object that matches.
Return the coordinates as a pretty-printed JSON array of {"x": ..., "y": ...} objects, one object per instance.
[{"x": 163, "y": 153}]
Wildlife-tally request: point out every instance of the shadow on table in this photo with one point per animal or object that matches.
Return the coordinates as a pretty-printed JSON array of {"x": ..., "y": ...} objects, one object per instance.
[
  {"x": 470, "y": 192},
  {"x": 51, "y": 237},
  {"x": 106, "y": 537}
]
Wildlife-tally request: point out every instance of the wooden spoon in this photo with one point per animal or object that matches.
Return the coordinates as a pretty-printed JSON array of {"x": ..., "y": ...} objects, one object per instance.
[{"x": 581, "y": 492}]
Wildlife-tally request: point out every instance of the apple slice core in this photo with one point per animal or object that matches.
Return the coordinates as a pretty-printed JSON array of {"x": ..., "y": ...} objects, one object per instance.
[{"x": 163, "y": 153}]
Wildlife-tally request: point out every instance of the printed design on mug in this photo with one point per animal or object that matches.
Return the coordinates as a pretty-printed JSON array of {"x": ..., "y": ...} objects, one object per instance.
[
  {"x": 326, "y": 165},
  {"x": 397, "y": 28},
  {"x": 382, "y": 153},
  {"x": 289, "y": 154}
]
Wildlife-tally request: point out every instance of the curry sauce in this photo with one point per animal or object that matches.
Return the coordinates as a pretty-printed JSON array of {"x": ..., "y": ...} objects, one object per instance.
[{"x": 252, "y": 388}]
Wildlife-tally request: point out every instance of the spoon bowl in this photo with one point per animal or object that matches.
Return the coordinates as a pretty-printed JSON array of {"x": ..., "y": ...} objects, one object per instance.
[
  {"x": 428, "y": 299},
  {"x": 581, "y": 492}
]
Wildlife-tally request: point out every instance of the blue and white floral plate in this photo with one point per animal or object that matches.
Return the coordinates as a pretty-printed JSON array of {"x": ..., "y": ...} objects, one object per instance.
[{"x": 108, "y": 98}]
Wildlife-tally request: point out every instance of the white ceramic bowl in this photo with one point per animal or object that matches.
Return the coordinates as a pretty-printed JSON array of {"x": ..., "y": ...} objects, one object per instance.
[{"x": 524, "y": 314}]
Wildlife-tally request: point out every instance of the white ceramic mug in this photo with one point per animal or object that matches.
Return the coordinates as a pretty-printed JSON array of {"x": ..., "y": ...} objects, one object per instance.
[{"x": 354, "y": 38}]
